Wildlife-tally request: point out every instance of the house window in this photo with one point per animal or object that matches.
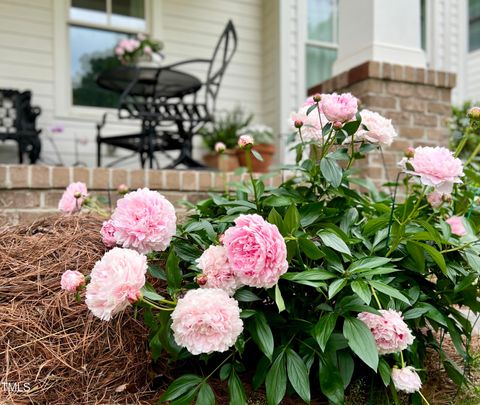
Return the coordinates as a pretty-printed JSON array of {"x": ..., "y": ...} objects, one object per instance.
[
  {"x": 473, "y": 25},
  {"x": 322, "y": 42},
  {"x": 94, "y": 28}
]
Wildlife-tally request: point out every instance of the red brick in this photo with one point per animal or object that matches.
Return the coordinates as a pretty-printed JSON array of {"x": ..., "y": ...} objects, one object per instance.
[
  {"x": 410, "y": 74},
  {"x": 437, "y": 134},
  {"x": 440, "y": 109},
  {"x": 411, "y": 132},
  {"x": 172, "y": 180},
  {"x": 379, "y": 101},
  {"x": 427, "y": 92},
  {"x": 398, "y": 72},
  {"x": 412, "y": 104},
  {"x": 26, "y": 217},
  {"x": 100, "y": 179},
  {"x": 81, "y": 174},
  {"x": 387, "y": 70},
  {"x": 400, "y": 89},
  {"x": 137, "y": 179},
  {"x": 374, "y": 69},
  {"x": 51, "y": 198},
  {"x": 155, "y": 181},
  {"x": 189, "y": 180},
  {"x": 18, "y": 199},
  {"x": 421, "y": 75},
  {"x": 40, "y": 177},
  {"x": 3, "y": 176},
  {"x": 119, "y": 176},
  {"x": 19, "y": 176},
  {"x": 425, "y": 120},
  {"x": 60, "y": 177},
  {"x": 205, "y": 180}
]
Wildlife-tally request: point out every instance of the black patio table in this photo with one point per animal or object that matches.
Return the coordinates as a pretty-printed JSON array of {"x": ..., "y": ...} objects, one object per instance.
[{"x": 144, "y": 95}]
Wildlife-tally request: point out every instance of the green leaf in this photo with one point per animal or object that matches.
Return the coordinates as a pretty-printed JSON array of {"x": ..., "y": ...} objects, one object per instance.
[
  {"x": 346, "y": 366},
  {"x": 151, "y": 295},
  {"x": 245, "y": 295},
  {"x": 311, "y": 250},
  {"x": 237, "y": 392},
  {"x": 385, "y": 371},
  {"x": 361, "y": 341},
  {"x": 257, "y": 155},
  {"x": 351, "y": 127},
  {"x": 180, "y": 386},
  {"x": 324, "y": 328},
  {"x": 435, "y": 255},
  {"x": 331, "y": 171},
  {"x": 292, "y": 219},
  {"x": 418, "y": 256},
  {"x": 225, "y": 371},
  {"x": 276, "y": 219},
  {"x": 331, "y": 382},
  {"x": 334, "y": 241},
  {"x": 279, "y": 299},
  {"x": 309, "y": 275},
  {"x": 277, "y": 201},
  {"x": 174, "y": 274},
  {"x": 276, "y": 380},
  {"x": 298, "y": 375},
  {"x": 336, "y": 286},
  {"x": 361, "y": 288},
  {"x": 262, "y": 334},
  {"x": 205, "y": 395},
  {"x": 367, "y": 263},
  {"x": 417, "y": 311},
  {"x": 390, "y": 291}
]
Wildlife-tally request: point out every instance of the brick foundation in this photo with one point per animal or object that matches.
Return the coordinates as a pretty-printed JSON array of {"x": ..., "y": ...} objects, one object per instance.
[
  {"x": 417, "y": 100},
  {"x": 29, "y": 192}
]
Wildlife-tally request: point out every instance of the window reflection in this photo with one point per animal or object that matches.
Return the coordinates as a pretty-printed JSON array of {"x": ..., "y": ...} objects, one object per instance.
[
  {"x": 91, "y": 53},
  {"x": 92, "y": 11}
]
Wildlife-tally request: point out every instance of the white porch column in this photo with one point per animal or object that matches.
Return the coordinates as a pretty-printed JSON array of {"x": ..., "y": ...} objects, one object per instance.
[{"x": 379, "y": 30}]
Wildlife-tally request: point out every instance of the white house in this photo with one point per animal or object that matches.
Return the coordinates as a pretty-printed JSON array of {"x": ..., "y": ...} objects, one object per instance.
[{"x": 285, "y": 46}]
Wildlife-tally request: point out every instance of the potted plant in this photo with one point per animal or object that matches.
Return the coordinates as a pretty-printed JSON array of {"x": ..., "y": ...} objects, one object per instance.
[
  {"x": 142, "y": 51},
  {"x": 224, "y": 130},
  {"x": 263, "y": 144}
]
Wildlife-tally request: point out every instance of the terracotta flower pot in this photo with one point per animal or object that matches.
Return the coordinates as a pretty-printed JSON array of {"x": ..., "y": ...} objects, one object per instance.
[
  {"x": 267, "y": 152},
  {"x": 226, "y": 162}
]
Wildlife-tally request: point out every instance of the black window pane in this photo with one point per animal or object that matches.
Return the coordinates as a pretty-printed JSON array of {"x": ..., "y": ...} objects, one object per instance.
[
  {"x": 474, "y": 35},
  {"x": 92, "y": 11},
  {"x": 91, "y": 52},
  {"x": 474, "y": 9},
  {"x": 131, "y": 8}
]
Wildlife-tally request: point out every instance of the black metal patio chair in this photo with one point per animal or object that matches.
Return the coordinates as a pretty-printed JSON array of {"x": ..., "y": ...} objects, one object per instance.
[
  {"x": 18, "y": 122},
  {"x": 171, "y": 104}
]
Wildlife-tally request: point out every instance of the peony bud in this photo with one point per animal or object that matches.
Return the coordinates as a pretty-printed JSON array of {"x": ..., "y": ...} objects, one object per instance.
[
  {"x": 447, "y": 198},
  {"x": 435, "y": 199},
  {"x": 337, "y": 125},
  {"x": 317, "y": 97},
  {"x": 220, "y": 147},
  {"x": 77, "y": 194},
  {"x": 134, "y": 296},
  {"x": 72, "y": 280},
  {"x": 245, "y": 141},
  {"x": 474, "y": 113},
  {"x": 298, "y": 124},
  {"x": 122, "y": 189},
  {"x": 202, "y": 279},
  {"x": 410, "y": 152}
]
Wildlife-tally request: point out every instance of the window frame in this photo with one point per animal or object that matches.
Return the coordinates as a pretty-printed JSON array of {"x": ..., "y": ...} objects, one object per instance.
[
  {"x": 63, "y": 97},
  {"x": 471, "y": 20},
  {"x": 316, "y": 43}
]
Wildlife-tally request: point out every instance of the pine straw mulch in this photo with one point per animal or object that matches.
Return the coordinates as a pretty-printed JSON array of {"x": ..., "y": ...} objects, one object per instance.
[{"x": 51, "y": 342}]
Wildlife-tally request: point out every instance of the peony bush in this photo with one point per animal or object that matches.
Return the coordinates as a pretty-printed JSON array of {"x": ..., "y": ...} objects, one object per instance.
[{"x": 307, "y": 287}]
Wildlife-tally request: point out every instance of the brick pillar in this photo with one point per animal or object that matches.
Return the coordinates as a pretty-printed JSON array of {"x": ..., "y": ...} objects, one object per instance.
[{"x": 416, "y": 100}]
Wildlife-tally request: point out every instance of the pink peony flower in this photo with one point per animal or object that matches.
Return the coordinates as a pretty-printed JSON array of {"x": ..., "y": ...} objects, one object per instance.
[
  {"x": 256, "y": 251},
  {"x": 220, "y": 147},
  {"x": 73, "y": 197},
  {"x": 435, "y": 199},
  {"x": 456, "y": 225},
  {"x": 380, "y": 129},
  {"x": 108, "y": 234},
  {"x": 435, "y": 166},
  {"x": 216, "y": 270},
  {"x": 311, "y": 124},
  {"x": 144, "y": 220},
  {"x": 391, "y": 333},
  {"x": 115, "y": 282},
  {"x": 147, "y": 50},
  {"x": 245, "y": 140},
  {"x": 72, "y": 280},
  {"x": 119, "y": 51},
  {"x": 406, "y": 379},
  {"x": 339, "y": 107},
  {"x": 206, "y": 320}
]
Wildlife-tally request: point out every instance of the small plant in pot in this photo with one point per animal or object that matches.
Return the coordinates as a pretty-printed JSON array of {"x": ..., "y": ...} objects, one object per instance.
[
  {"x": 224, "y": 130},
  {"x": 141, "y": 51},
  {"x": 263, "y": 149}
]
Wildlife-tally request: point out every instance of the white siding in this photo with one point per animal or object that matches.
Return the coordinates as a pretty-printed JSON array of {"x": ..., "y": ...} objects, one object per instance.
[
  {"x": 473, "y": 75},
  {"x": 189, "y": 28}
]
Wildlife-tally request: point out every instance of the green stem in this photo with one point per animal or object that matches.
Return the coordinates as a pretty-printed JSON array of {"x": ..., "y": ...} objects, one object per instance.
[
  {"x": 473, "y": 155},
  {"x": 248, "y": 159},
  {"x": 423, "y": 397},
  {"x": 394, "y": 394},
  {"x": 353, "y": 151},
  {"x": 376, "y": 297},
  {"x": 223, "y": 362},
  {"x": 402, "y": 360},
  {"x": 156, "y": 306},
  {"x": 461, "y": 145}
]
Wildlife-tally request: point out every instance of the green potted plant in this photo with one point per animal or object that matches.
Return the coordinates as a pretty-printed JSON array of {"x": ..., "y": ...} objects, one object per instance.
[
  {"x": 224, "y": 130},
  {"x": 142, "y": 51},
  {"x": 262, "y": 136}
]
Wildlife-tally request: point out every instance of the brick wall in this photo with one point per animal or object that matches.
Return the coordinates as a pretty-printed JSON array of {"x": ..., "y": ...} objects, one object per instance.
[
  {"x": 28, "y": 192},
  {"x": 417, "y": 100}
]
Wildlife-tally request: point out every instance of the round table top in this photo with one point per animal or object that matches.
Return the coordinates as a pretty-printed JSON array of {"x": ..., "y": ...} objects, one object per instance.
[{"x": 149, "y": 81}]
